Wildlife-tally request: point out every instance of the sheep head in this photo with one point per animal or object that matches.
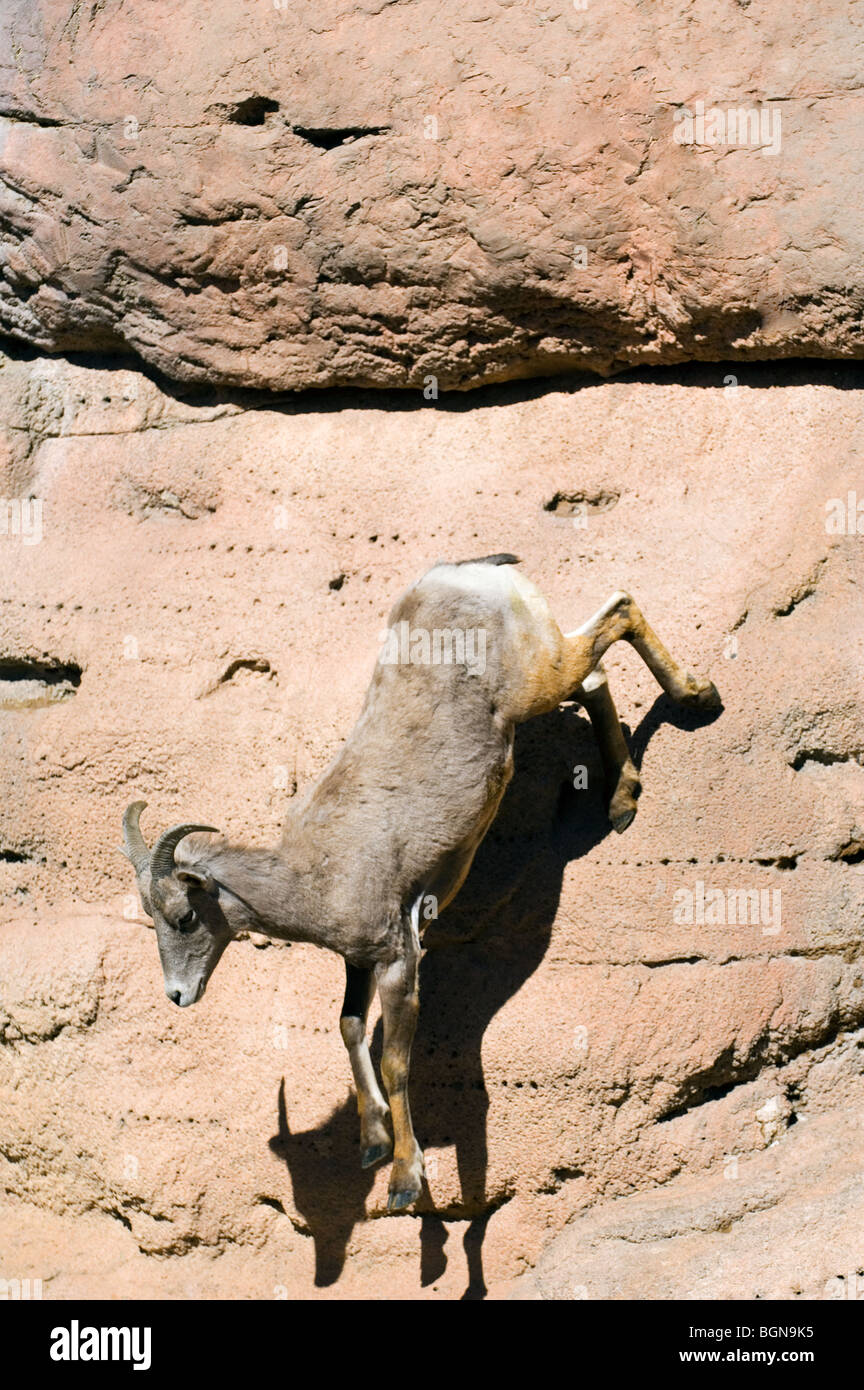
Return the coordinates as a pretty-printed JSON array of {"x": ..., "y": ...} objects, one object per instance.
[{"x": 183, "y": 901}]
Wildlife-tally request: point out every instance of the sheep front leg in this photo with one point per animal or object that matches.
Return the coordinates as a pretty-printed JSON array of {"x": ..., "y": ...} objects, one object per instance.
[
  {"x": 374, "y": 1138},
  {"x": 397, "y": 986}
]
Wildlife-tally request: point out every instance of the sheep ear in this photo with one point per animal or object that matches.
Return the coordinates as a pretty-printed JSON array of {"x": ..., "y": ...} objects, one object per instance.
[{"x": 196, "y": 878}]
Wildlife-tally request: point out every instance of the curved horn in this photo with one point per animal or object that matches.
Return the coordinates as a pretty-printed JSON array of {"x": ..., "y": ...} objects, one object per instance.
[
  {"x": 162, "y": 858},
  {"x": 134, "y": 845}
]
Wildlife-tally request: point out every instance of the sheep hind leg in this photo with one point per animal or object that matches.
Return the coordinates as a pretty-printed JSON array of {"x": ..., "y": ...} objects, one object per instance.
[
  {"x": 621, "y": 620},
  {"x": 623, "y": 784}
]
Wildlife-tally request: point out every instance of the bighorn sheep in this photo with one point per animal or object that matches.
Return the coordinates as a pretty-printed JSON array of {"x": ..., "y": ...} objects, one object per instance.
[{"x": 397, "y": 818}]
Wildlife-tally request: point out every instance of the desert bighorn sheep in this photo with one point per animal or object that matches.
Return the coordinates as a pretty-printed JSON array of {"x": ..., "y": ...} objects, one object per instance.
[{"x": 397, "y": 818}]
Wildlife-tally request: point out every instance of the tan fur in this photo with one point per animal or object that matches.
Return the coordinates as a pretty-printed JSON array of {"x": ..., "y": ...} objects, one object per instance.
[{"x": 397, "y": 819}]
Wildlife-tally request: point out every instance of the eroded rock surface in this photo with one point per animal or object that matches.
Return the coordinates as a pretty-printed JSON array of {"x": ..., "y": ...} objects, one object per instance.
[
  {"x": 784, "y": 1224},
  {"x": 369, "y": 193}
]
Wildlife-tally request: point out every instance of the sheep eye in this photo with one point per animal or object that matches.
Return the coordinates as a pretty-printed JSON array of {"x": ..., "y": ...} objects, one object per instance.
[{"x": 187, "y": 919}]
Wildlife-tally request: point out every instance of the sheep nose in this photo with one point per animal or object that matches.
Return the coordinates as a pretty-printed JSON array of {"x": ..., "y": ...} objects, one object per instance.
[{"x": 173, "y": 995}]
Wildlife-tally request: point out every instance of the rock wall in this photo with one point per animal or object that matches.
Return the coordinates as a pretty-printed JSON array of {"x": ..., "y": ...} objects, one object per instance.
[
  {"x": 286, "y": 195},
  {"x": 192, "y": 619}
]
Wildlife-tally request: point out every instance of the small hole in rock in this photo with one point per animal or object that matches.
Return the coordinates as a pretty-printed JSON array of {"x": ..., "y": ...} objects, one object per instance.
[
  {"x": 272, "y": 1202},
  {"x": 252, "y": 111}
]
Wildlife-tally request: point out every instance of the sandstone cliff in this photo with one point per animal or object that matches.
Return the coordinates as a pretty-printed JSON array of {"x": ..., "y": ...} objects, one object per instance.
[{"x": 196, "y": 626}]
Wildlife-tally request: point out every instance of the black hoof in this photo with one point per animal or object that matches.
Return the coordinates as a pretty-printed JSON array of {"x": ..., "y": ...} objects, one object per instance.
[
  {"x": 621, "y": 821},
  {"x": 374, "y": 1154},
  {"x": 706, "y": 698},
  {"x": 398, "y": 1201}
]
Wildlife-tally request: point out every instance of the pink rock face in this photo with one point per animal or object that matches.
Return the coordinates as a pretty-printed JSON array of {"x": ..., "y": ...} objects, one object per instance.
[
  {"x": 745, "y": 1231},
  {"x": 285, "y": 195},
  {"x": 194, "y": 622}
]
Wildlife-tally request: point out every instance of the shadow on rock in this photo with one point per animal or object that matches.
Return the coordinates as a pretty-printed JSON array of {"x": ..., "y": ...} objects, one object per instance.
[
  {"x": 477, "y": 956},
  {"x": 329, "y": 1186}
]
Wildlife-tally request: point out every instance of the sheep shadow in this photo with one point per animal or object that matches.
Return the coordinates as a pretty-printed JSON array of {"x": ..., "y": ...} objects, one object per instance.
[
  {"x": 477, "y": 956},
  {"x": 329, "y": 1187}
]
